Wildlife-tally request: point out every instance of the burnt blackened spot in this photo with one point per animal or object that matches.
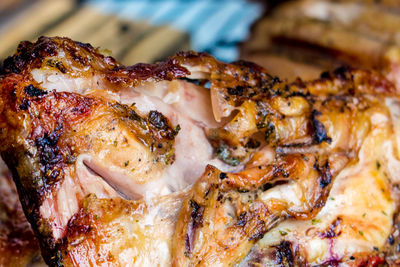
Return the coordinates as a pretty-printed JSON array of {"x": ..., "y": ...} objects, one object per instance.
[
  {"x": 58, "y": 259},
  {"x": 49, "y": 154},
  {"x": 79, "y": 109},
  {"x": 24, "y": 104},
  {"x": 242, "y": 220},
  {"x": 300, "y": 93},
  {"x": 275, "y": 80},
  {"x": 196, "y": 221},
  {"x": 279, "y": 172},
  {"x": 258, "y": 232},
  {"x": 319, "y": 134},
  {"x": 53, "y": 174},
  {"x": 252, "y": 144},
  {"x": 9, "y": 65},
  {"x": 325, "y": 75},
  {"x": 176, "y": 130},
  {"x": 158, "y": 120},
  {"x": 257, "y": 236},
  {"x": 333, "y": 230},
  {"x": 391, "y": 240},
  {"x": 378, "y": 165},
  {"x": 252, "y": 94},
  {"x": 285, "y": 174},
  {"x": 207, "y": 192},
  {"x": 238, "y": 90},
  {"x": 325, "y": 174},
  {"x": 77, "y": 55},
  {"x": 222, "y": 175},
  {"x": 299, "y": 83},
  {"x": 197, "y": 214},
  {"x": 32, "y": 91},
  {"x": 268, "y": 186},
  {"x": 270, "y": 129},
  {"x": 134, "y": 116},
  {"x": 60, "y": 66},
  {"x": 47, "y": 144},
  {"x": 86, "y": 46},
  {"x": 13, "y": 94},
  {"x": 268, "y": 86},
  {"x": 56, "y": 64},
  {"x": 29, "y": 55},
  {"x": 284, "y": 254},
  {"x": 342, "y": 73},
  {"x": 240, "y": 190},
  {"x": 155, "y": 123}
]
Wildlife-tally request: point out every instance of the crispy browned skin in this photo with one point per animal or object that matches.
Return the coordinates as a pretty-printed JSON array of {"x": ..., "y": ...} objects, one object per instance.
[
  {"x": 58, "y": 123},
  {"x": 206, "y": 215},
  {"x": 291, "y": 119},
  {"x": 280, "y": 136}
]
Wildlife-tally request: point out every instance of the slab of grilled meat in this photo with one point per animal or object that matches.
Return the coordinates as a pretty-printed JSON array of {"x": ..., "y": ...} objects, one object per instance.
[{"x": 195, "y": 162}]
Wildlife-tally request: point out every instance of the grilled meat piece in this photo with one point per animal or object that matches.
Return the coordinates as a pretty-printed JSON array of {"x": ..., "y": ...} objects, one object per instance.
[
  {"x": 18, "y": 244},
  {"x": 145, "y": 165},
  {"x": 106, "y": 131}
]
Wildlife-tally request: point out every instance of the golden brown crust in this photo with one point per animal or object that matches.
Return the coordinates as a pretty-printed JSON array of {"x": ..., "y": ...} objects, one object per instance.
[
  {"x": 53, "y": 127},
  {"x": 208, "y": 232},
  {"x": 75, "y": 58}
]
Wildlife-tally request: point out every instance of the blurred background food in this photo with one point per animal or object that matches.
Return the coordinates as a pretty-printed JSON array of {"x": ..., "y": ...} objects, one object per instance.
[{"x": 306, "y": 37}]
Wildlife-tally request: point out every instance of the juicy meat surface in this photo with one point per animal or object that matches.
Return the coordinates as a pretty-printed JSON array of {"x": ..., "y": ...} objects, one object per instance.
[{"x": 192, "y": 161}]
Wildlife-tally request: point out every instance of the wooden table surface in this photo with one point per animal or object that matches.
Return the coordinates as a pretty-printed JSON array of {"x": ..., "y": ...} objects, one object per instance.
[{"x": 129, "y": 41}]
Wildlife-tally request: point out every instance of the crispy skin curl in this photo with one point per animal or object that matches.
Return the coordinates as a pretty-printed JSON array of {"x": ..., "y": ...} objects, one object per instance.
[
  {"x": 112, "y": 169},
  {"x": 224, "y": 214}
]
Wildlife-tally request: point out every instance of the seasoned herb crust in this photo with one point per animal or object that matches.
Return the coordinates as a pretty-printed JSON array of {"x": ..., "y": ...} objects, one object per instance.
[{"x": 103, "y": 156}]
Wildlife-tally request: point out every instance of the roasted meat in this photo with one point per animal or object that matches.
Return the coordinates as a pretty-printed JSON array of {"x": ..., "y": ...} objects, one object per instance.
[
  {"x": 194, "y": 162},
  {"x": 18, "y": 244}
]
